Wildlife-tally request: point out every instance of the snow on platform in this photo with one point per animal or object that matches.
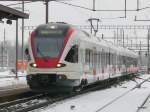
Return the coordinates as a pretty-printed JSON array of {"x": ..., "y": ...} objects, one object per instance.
[
  {"x": 9, "y": 73},
  {"x": 9, "y": 84},
  {"x": 97, "y": 101}
]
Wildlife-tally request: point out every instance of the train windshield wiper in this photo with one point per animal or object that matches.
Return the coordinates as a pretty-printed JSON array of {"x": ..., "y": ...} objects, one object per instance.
[{"x": 41, "y": 53}]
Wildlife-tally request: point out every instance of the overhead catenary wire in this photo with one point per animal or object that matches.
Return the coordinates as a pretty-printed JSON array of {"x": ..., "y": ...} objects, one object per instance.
[
  {"x": 90, "y": 9},
  {"x": 20, "y": 3},
  {"x": 138, "y": 9},
  {"x": 144, "y": 8},
  {"x": 75, "y": 5}
]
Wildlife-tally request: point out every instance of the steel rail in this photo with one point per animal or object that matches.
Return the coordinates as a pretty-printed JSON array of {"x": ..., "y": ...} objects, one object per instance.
[
  {"x": 5, "y": 77},
  {"x": 142, "y": 105},
  {"x": 7, "y": 104}
]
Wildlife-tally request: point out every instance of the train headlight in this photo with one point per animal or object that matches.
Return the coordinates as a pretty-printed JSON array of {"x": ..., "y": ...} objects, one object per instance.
[
  {"x": 60, "y": 65},
  {"x": 33, "y": 65},
  {"x": 53, "y": 27}
]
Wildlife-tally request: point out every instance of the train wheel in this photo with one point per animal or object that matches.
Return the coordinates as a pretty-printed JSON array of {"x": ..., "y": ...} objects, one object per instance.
[
  {"x": 80, "y": 87},
  {"x": 77, "y": 88},
  {"x": 84, "y": 82}
]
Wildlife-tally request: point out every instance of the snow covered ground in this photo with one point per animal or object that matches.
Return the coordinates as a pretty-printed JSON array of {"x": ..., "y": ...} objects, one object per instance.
[
  {"x": 103, "y": 100},
  {"x": 8, "y": 78},
  {"x": 12, "y": 82},
  {"x": 8, "y": 82},
  {"x": 9, "y": 73}
]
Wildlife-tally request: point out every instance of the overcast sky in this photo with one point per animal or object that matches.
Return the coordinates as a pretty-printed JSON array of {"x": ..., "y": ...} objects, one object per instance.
[{"x": 78, "y": 16}]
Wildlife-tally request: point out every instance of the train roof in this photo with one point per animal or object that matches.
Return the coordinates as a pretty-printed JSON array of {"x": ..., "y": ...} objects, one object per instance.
[{"x": 55, "y": 24}]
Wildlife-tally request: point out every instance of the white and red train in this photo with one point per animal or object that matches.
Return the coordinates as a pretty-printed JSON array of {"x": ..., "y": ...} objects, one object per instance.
[{"x": 62, "y": 55}]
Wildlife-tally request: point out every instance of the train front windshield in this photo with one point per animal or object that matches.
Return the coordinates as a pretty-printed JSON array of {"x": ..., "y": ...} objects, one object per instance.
[{"x": 49, "y": 43}]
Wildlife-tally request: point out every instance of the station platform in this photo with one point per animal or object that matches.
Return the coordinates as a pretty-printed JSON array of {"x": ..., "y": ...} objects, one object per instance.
[{"x": 10, "y": 85}]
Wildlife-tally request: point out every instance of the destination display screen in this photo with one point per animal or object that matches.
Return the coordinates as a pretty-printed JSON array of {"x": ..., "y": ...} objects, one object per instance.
[{"x": 50, "y": 32}]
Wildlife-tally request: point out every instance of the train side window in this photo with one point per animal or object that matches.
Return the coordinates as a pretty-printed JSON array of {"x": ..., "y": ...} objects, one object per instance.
[
  {"x": 102, "y": 59},
  {"x": 111, "y": 59},
  {"x": 99, "y": 56},
  {"x": 87, "y": 56},
  {"x": 72, "y": 55},
  {"x": 107, "y": 58},
  {"x": 92, "y": 59}
]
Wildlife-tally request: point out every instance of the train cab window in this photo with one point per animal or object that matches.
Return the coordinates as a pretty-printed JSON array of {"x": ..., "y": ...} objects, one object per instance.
[{"x": 72, "y": 55}]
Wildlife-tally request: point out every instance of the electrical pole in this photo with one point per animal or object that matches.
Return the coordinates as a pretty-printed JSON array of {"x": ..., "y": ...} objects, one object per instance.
[
  {"x": 16, "y": 48},
  {"x": 114, "y": 37},
  {"x": 123, "y": 36},
  {"x": 91, "y": 25},
  {"x": 125, "y": 8},
  {"x": 3, "y": 50},
  {"x": 131, "y": 44},
  {"x": 22, "y": 38},
  {"x": 2, "y": 54},
  {"x": 137, "y": 5},
  {"x": 148, "y": 64},
  {"x": 102, "y": 36},
  {"x": 47, "y": 10},
  {"x": 140, "y": 53},
  {"x": 5, "y": 56},
  {"x": 117, "y": 35},
  {"x": 93, "y": 5},
  {"x": 127, "y": 42},
  {"x": 91, "y": 20},
  {"x": 120, "y": 40}
]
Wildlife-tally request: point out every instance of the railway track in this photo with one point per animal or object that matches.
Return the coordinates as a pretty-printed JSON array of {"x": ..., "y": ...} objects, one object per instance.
[
  {"x": 31, "y": 103},
  {"x": 143, "y": 104},
  {"x": 16, "y": 105},
  {"x": 7, "y": 77},
  {"x": 35, "y": 102}
]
